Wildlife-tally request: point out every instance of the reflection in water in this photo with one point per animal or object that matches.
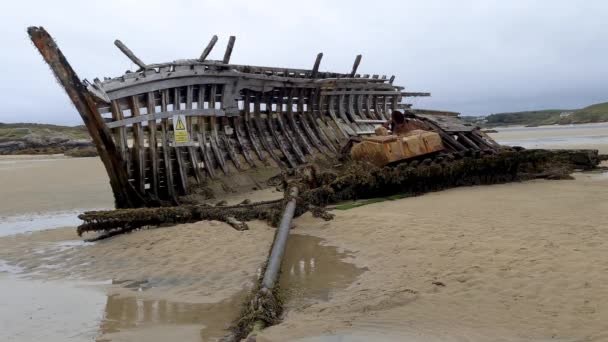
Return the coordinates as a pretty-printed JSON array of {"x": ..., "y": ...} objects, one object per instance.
[
  {"x": 130, "y": 313},
  {"x": 311, "y": 271}
]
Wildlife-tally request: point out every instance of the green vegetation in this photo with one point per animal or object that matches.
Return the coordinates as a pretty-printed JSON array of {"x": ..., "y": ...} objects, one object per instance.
[
  {"x": 594, "y": 113},
  {"x": 11, "y": 131},
  {"x": 361, "y": 203}
]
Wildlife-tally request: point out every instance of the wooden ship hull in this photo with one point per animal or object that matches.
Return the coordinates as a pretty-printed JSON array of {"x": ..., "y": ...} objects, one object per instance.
[{"x": 165, "y": 128}]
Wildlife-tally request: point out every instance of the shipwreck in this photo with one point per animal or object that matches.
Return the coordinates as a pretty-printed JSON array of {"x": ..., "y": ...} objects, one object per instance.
[{"x": 165, "y": 128}]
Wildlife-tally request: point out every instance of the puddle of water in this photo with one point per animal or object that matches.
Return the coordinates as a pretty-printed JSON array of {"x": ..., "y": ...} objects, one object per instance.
[
  {"x": 17, "y": 224},
  {"x": 311, "y": 271},
  {"x": 136, "y": 319},
  {"x": 48, "y": 311},
  {"x": 34, "y": 310}
]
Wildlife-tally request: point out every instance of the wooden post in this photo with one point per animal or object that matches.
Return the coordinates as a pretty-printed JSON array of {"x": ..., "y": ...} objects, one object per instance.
[
  {"x": 208, "y": 49},
  {"x": 355, "y": 66},
  {"x": 124, "y": 193},
  {"x": 315, "y": 68},
  {"x": 228, "y": 52},
  {"x": 122, "y": 47}
]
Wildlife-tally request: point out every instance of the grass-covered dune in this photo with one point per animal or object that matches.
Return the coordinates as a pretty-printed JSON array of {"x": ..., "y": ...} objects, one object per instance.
[{"x": 594, "y": 113}]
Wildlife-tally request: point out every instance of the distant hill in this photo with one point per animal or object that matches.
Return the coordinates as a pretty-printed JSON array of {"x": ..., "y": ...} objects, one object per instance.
[
  {"x": 594, "y": 113},
  {"x": 32, "y": 138}
]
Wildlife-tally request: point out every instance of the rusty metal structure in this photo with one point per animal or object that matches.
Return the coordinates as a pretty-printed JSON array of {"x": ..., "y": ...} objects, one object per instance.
[{"x": 166, "y": 127}]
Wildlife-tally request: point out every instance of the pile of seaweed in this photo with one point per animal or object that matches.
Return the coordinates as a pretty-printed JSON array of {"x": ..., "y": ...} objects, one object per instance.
[{"x": 359, "y": 180}]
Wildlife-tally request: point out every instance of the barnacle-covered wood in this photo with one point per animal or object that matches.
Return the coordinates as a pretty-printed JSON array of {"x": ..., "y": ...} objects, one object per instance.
[{"x": 359, "y": 180}]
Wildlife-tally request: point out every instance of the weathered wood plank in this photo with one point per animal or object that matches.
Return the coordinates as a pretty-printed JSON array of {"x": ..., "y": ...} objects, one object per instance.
[
  {"x": 315, "y": 68},
  {"x": 205, "y": 146},
  {"x": 294, "y": 126},
  {"x": 213, "y": 136},
  {"x": 208, "y": 48},
  {"x": 120, "y": 133},
  {"x": 166, "y": 146},
  {"x": 165, "y": 115},
  {"x": 286, "y": 134},
  {"x": 229, "y": 48},
  {"x": 192, "y": 151},
  {"x": 262, "y": 130},
  {"x": 310, "y": 115},
  {"x": 304, "y": 122},
  {"x": 355, "y": 66},
  {"x": 250, "y": 133},
  {"x": 122, "y": 47},
  {"x": 138, "y": 147},
  {"x": 228, "y": 145},
  {"x": 153, "y": 145},
  {"x": 274, "y": 132},
  {"x": 181, "y": 164}
]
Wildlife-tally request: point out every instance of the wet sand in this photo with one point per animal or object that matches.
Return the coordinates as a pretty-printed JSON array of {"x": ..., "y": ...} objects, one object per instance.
[
  {"x": 35, "y": 184},
  {"x": 506, "y": 262},
  {"x": 590, "y": 136}
]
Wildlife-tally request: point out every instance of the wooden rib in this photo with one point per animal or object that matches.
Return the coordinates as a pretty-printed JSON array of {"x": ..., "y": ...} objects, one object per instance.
[
  {"x": 285, "y": 133},
  {"x": 120, "y": 134},
  {"x": 251, "y": 134},
  {"x": 240, "y": 138},
  {"x": 227, "y": 142},
  {"x": 294, "y": 126},
  {"x": 323, "y": 120},
  {"x": 263, "y": 134},
  {"x": 304, "y": 122},
  {"x": 275, "y": 134},
  {"x": 359, "y": 107},
  {"x": 138, "y": 143},
  {"x": 480, "y": 142},
  {"x": 213, "y": 136},
  {"x": 341, "y": 109},
  {"x": 310, "y": 115},
  {"x": 378, "y": 110},
  {"x": 395, "y": 103},
  {"x": 385, "y": 107},
  {"x": 468, "y": 141},
  {"x": 202, "y": 134},
  {"x": 446, "y": 137},
  {"x": 332, "y": 114},
  {"x": 182, "y": 170},
  {"x": 315, "y": 68},
  {"x": 168, "y": 167},
  {"x": 152, "y": 145},
  {"x": 191, "y": 149},
  {"x": 368, "y": 108}
]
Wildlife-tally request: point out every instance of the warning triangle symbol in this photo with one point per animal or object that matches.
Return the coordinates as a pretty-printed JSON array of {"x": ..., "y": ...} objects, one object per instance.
[{"x": 180, "y": 125}]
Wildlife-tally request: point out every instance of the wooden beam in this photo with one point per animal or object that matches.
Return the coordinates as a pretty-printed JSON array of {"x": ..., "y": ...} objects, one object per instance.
[
  {"x": 355, "y": 66},
  {"x": 229, "y": 48},
  {"x": 165, "y": 115},
  {"x": 124, "y": 194},
  {"x": 208, "y": 49},
  {"x": 122, "y": 47},
  {"x": 315, "y": 68}
]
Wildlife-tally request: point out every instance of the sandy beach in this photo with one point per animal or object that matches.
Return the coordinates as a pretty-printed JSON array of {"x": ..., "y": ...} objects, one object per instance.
[{"x": 512, "y": 262}]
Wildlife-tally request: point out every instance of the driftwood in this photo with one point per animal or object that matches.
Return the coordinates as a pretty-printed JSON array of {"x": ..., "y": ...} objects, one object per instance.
[{"x": 356, "y": 180}]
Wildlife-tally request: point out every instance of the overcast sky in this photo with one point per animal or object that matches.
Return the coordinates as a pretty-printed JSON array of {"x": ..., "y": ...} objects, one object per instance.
[{"x": 475, "y": 57}]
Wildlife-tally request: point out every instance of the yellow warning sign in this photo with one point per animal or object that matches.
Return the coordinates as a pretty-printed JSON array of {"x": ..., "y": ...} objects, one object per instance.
[{"x": 180, "y": 131}]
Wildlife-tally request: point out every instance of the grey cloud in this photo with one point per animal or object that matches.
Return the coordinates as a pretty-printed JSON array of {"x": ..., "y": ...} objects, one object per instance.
[{"x": 476, "y": 57}]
